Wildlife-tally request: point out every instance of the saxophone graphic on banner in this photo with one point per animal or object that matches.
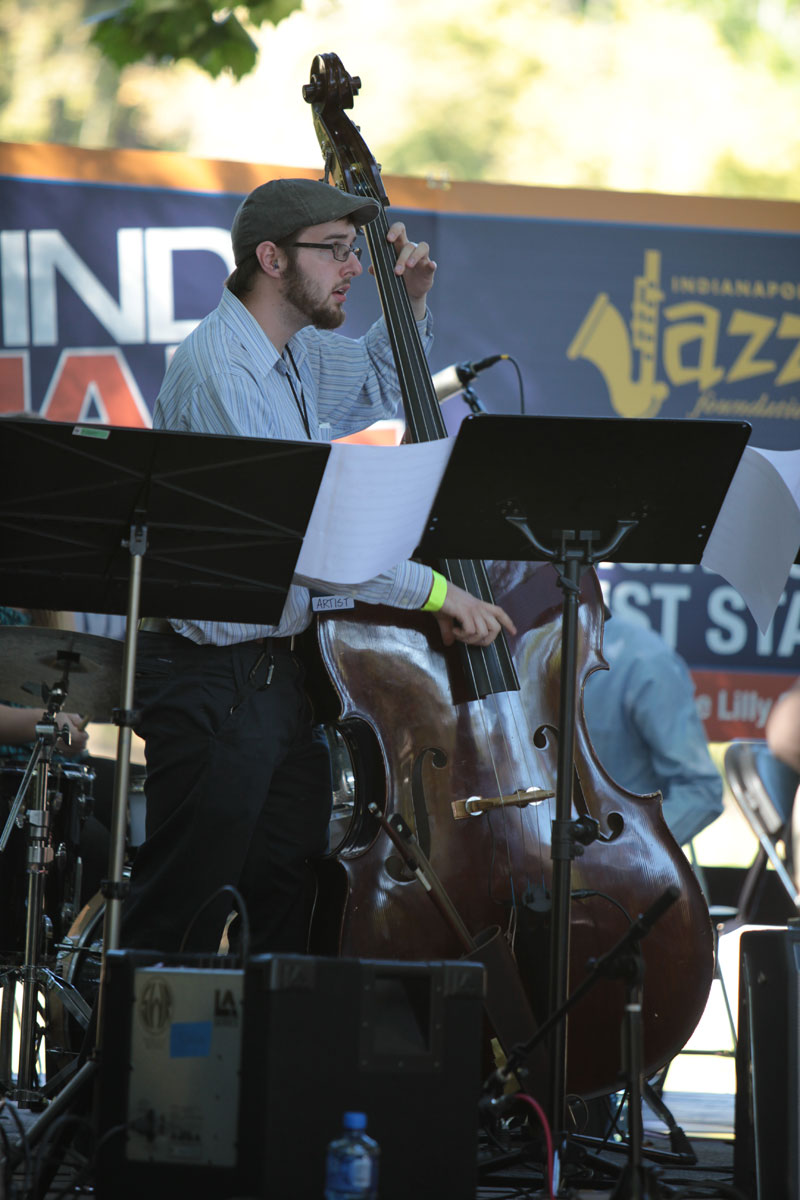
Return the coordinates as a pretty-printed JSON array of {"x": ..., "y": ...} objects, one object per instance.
[{"x": 604, "y": 339}]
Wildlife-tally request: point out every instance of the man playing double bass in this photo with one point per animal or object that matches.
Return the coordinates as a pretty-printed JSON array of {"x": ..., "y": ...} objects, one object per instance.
[{"x": 238, "y": 780}]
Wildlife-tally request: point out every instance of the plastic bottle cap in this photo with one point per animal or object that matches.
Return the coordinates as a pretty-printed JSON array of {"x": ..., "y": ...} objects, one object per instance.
[{"x": 354, "y": 1120}]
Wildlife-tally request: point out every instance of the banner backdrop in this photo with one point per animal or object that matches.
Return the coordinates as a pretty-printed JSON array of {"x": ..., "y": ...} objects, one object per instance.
[{"x": 99, "y": 281}]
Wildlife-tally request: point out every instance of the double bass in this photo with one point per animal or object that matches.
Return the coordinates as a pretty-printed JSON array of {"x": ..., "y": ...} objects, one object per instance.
[{"x": 448, "y": 739}]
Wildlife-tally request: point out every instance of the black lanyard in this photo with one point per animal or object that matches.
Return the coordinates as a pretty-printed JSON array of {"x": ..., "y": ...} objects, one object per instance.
[{"x": 300, "y": 400}]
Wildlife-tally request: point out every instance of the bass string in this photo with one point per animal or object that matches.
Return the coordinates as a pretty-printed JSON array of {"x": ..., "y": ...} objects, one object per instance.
[
  {"x": 423, "y": 426},
  {"x": 465, "y": 574},
  {"x": 511, "y": 717},
  {"x": 427, "y": 424}
]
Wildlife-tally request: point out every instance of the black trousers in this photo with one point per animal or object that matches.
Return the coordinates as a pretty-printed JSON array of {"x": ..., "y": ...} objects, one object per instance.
[{"x": 238, "y": 792}]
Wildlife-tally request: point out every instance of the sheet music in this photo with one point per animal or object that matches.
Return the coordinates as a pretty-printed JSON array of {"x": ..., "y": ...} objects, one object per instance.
[
  {"x": 371, "y": 509},
  {"x": 374, "y": 502},
  {"x": 756, "y": 536}
]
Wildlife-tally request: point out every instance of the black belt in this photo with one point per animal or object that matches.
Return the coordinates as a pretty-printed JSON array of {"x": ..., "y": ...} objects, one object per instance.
[
  {"x": 276, "y": 645},
  {"x": 155, "y": 625},
  {"x": 281, "y": 645}
]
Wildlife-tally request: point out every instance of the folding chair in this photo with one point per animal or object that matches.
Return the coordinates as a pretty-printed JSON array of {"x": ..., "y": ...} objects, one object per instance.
[{"x": 764, "y": 790}]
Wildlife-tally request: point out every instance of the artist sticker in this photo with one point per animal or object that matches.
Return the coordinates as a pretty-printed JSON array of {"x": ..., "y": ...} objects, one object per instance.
[{"x": 331, "y": 603}]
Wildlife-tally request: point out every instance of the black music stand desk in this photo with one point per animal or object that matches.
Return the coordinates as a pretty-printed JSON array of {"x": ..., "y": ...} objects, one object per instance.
[
  {"x": 576, "y": 491},
  {"x": 106, "y": 519},
  {"x": 225, "y": 518}
]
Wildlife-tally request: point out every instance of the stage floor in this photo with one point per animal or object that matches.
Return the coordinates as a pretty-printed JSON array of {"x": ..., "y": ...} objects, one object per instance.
[{"x": 707, "y": 1119}]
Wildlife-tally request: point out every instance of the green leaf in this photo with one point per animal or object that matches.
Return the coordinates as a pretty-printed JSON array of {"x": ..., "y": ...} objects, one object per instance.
[
  {"x": 169, "y": 30},
  {"x": 272, "y": 10}
]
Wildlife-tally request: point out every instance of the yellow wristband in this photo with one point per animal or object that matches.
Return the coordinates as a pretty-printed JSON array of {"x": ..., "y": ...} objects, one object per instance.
[{"x": 437, "y": 596}]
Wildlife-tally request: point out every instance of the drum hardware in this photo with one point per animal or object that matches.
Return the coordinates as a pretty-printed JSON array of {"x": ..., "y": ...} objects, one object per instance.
[
  {"x": 37, "y": 819},
  {"x": 79, "y": 958},
  {"x": 71, "y": 1000},
  {"x": 69, "y": 907},
  {"x": 38, "y": 859},
  {"x": 104, "y": 663},
  {"x": 129, "y": 489},
  {"x": 93, "y": 664}
]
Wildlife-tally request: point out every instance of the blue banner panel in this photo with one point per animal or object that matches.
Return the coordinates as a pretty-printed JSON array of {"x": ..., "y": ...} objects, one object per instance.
[
  {"x": 629, "y": 320},
  {"x": 99, "y": 283},
  {"x": 603, "y": 319}
]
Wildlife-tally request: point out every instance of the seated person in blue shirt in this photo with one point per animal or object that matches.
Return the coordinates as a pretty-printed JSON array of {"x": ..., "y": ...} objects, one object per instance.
[
  {"x": 238, "y": 785},
  {"x": 643, "y": 723}
]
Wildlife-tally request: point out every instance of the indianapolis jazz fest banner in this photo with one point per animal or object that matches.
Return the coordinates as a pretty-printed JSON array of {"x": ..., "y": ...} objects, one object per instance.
[{"x": 608, "y": 304}]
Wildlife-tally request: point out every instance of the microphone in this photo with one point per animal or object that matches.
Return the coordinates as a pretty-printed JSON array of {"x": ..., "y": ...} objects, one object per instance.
[{"x": 455, "y": 379}]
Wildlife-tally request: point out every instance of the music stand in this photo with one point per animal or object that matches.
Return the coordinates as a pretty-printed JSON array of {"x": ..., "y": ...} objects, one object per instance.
[
  {"x": 574, "y": 491},
  {"x": 218, "y": 520},
  {"x": 225, "y": 517}
]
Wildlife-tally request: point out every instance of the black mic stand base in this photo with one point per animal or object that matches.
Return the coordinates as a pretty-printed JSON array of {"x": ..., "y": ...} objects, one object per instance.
[{"x": 638, "y": 1183}]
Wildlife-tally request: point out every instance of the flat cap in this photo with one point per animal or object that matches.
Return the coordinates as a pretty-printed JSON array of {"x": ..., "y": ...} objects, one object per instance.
[{"x": 280, "y": 207}]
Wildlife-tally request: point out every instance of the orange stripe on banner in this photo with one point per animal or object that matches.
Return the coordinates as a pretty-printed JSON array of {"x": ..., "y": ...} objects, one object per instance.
[{"x": 156, "y": 168}]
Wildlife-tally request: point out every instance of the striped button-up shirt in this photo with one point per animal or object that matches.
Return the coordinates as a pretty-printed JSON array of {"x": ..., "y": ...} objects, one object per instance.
[{"x": 228, "y": 378}]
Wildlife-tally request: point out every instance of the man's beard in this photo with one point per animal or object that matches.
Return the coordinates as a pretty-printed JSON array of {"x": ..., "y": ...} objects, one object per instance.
[{"x": 300, "y": 294}]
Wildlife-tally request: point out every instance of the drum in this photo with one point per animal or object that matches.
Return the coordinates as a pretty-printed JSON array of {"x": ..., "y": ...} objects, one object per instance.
[
  {"x": 69, "y": 803},
  {"x": 80, "y": 952},
  {"x": 343, "y": 785},
  {"x": 78, "y": 963}
]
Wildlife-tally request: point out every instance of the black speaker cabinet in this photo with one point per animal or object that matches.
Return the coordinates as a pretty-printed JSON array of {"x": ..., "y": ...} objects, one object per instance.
[
  {"x": 766, "y": 1153},
  {"x": 224, "y": 1082}
]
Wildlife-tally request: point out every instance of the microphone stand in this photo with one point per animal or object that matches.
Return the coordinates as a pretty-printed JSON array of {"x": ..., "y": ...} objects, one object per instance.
[
  {"x": 623, "y": 961},
  {"x": 470, "y": 397}
]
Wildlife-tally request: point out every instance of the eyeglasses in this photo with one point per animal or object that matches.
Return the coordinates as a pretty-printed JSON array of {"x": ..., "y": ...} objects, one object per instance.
[{"x": 340, "y": 250}]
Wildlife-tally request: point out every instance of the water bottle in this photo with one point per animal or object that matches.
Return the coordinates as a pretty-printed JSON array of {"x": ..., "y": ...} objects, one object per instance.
[{"x": 351, "y": 1165}]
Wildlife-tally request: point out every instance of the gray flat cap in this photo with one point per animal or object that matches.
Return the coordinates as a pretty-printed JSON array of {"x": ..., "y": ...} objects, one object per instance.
[{"x": 276, "y": 209}]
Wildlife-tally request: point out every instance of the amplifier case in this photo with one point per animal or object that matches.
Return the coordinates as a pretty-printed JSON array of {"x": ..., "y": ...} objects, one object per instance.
[
  {"x": 767, "y": 1151},
  {"x": 230, "y": 1082}
]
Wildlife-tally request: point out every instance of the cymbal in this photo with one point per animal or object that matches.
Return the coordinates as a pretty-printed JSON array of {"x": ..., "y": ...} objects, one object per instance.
[{"x": 33, "y": 659}]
